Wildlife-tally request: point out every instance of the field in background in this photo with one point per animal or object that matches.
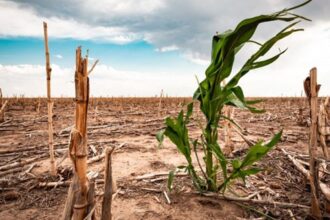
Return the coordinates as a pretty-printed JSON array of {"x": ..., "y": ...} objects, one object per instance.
[{"x": 132, "y": 123}]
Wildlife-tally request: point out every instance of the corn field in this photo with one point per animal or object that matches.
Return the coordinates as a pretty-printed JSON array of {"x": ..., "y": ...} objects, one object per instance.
[{"x": 214, "y": 155}]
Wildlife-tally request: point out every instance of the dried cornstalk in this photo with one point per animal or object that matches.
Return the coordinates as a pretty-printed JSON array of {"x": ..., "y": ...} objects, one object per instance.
[
  {"x": 38, "y": 106},
  {"x": 324, "y": 131},
  {"x": 21, "y": 163},
  {"x": 11, "y": 171},
  {"x": 2, "y": 107},
  {"x": 91, "y": 70},
  {"x": 49, "y": 105},
  {"x": 300, "y": 117},
  {"x": 108, "y": 187},
  {"x": 324, "y": 125},
  {"x": 323, "y": 187},
  {"x": 311, "y": 89},
  {"x": 2, "y": 111},
  {"x": 91, "y": 201},
  {"x": 255, "y": 201},
  {"x": 78, "y": 142},
  {"x": 73, "y": 190},
  {"x": 2, "y": 118},
  {"x": 160, "y": 102}
]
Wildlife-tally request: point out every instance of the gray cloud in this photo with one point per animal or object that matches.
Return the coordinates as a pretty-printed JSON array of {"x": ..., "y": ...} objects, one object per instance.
[{"x": 187, "y": 24}]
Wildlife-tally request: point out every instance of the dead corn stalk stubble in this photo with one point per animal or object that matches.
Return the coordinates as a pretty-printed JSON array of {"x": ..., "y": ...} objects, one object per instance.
[
  {"x": 77, "y": 204},
  {"x": 2, "y": 118},
  {"x": 108, "y": 186},
  {"x": 50, "y": 105},
  {"x": 324, "y": 126},
  {"x": 315, "y": 209},
  {"x": 311, "y": 89},
  {"x": 3, "y": 106}
]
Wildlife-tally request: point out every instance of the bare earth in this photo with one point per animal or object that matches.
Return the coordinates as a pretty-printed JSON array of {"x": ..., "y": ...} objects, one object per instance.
[{"x": 132, "y": 124}]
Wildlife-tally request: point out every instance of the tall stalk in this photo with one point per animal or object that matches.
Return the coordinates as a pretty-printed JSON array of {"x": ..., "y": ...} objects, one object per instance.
[
  {"x": 50, "y": 105},
  {"x": 80, "y": 151},
  {"x": 80, "y": 200}
]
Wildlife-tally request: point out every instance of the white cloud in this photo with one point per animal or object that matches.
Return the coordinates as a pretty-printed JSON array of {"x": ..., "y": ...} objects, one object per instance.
[
  {"x": 196, "y": 58},
  {"x": 25, "y": 21},
  {"x": 127, "y": 7},
  {"x": 59, "y": 56},
  {"x": 30, "y": 80},
  {"x": 104, "y": 81},
  {"x": 167, "y": 48}
]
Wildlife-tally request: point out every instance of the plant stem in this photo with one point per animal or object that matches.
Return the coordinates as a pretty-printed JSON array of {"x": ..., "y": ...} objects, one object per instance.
[{"x": 210, "y": 139}]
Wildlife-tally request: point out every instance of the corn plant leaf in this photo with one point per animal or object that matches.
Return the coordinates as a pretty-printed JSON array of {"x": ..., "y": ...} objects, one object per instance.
[
  {"x": 253, "y": 102},
  {"x": 244, "y": 173},
  {"x": 257, "y": 151},
  {"x": 251, "y": 171},
  {"x": 236, "y": 164},
  {"x": 177, "y": 132},
  {"x": 233, "y": 100},
  {"x": 189, "y": 111},
  {"x": 231, "y": 121},
  {"x": 266, "y": 62},
  {"x": 160, "y": 137},
  {"x": 252, "y": 64},
  {"x": 216, "y": 150},
  {"x": 241, "y": 169},
  {"x": 298, "y": 6},
  {"x": 240, "y": 95}
]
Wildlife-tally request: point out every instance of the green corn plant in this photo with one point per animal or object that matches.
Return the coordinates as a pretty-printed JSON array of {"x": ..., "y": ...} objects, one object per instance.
[{"x": 213, "y": 96}]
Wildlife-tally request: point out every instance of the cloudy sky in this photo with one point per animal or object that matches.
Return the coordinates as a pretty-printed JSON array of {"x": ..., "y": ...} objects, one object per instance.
[{"x": 145, "y": 46}]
